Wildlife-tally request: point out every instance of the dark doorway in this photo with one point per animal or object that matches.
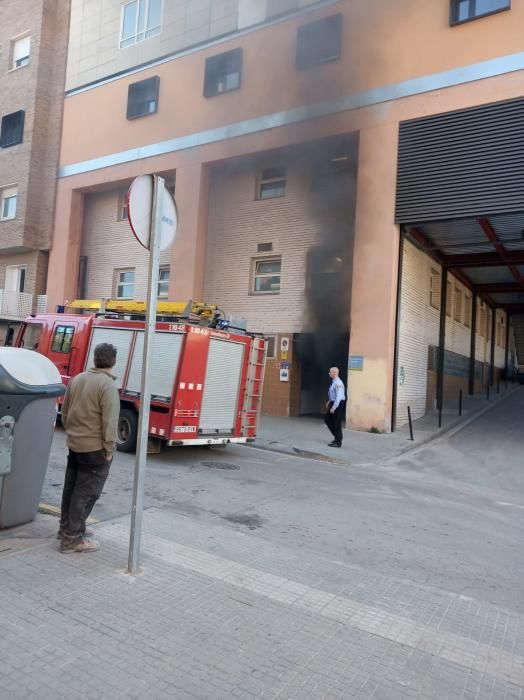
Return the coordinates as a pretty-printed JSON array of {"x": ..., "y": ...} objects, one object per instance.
[{"x": 317, "y": 352}]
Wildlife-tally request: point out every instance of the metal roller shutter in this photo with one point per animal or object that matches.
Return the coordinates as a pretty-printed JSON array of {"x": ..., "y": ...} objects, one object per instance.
[
  {"x": 220, "y": 399},
  {"x": 166, "y": 354},
  {"x": 464, "y": 163},
  {"x": 121, "y": 339}
]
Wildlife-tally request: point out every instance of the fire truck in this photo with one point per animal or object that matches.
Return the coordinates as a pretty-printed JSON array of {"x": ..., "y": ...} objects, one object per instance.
[{"x": 206, "y": 376}]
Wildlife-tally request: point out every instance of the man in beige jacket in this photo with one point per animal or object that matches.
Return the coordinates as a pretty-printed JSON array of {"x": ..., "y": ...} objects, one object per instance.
[{"x": 90, "y": 418}]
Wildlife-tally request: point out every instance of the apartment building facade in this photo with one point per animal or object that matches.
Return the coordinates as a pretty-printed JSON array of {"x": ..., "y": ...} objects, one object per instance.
[
  {"x": 33, "y": 52},
  {"x": 290, "y": 132}
]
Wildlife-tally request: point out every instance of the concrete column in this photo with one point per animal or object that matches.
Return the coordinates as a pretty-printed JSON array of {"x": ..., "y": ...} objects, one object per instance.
[
  {"x": 188, "y": 258},
  {"x": 62, "y": 279},
  {"x": 374, "y": 285}
]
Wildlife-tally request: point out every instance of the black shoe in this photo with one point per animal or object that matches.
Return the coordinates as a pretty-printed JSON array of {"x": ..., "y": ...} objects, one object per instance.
[{"x": 334, "y": 444}]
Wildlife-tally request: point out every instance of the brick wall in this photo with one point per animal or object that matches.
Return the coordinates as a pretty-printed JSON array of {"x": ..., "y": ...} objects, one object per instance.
[
  {"x": 110, "y": 245},
  {"x": 419, "y": 331},
  {"x": 238, "y": 222},
  {"x": 37, "y": 89}
]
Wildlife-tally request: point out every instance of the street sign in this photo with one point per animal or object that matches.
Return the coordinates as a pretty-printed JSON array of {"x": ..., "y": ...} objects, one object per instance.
[
  {"x": 140, "y": 207},
  {"x": 153, "y": 219}
]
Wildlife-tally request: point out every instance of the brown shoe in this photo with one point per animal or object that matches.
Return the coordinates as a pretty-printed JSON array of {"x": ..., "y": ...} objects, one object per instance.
[{"x": 85, "y": 545}]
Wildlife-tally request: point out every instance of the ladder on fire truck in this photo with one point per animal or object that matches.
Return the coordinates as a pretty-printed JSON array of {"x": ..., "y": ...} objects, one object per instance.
[
  {"x": 182, "y": 310},
  {"x": 254, "y": 385}
]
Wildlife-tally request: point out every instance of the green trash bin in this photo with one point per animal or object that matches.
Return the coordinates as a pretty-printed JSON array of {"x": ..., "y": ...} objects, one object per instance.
[{"x": 30, "y": 385}]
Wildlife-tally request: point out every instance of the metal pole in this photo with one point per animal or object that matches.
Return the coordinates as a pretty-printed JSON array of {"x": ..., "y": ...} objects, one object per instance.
[
  {"x": 487, "y": 391},
  {"x": 145, "y": 402},
  {"x": 460, "y": 402},
  {"x": 492, "y": 358},
  {"x": 410, "y": 424},
  {"x": 473, "y": 344},
  {"x": 397, "y": 331},
  {"x": 442, "y": 342}
]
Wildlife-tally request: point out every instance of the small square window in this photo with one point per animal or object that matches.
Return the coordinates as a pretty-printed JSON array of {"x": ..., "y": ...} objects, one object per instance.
[
  {"x": 142, "y": 98},
  {"x": 8, "y": 202},
  {"x": 319, "y": 42},
  {"x": 125, "y": 284},
  {"x": 20, "y": 52},
  {"x": 266, "y": 276},
  {"x": 223, "y": 73},
  {"x": 163, "y": 282},
  {"x": 12, "y": 130},
  {"x": 466, "y": 10},
  {"x": 272, "y": 183}
]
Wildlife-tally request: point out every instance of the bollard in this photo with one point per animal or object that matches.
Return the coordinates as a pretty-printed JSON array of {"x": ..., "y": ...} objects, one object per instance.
[
  {"x": 410, "y": 424},
  {"x": 498, "y": 386},
  {"x": 440, "y": 416},
  {"x": 460, "y": 402},
  {"x": 487, "y": 392}
]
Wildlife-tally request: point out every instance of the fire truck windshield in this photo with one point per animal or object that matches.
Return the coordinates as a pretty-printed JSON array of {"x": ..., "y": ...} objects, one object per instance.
[{"x": 31, "y": 333}]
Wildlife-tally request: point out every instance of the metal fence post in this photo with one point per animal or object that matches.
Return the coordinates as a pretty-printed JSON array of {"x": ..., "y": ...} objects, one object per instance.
[{"x": 410, "y": 424}]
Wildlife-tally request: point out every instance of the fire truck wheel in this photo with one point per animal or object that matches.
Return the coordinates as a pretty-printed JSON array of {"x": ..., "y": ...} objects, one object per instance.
[{"x": 127, "y": 430}]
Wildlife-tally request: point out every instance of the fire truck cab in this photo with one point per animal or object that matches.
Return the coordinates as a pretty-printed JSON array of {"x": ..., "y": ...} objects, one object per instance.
[{"x": 206, "y": 381}]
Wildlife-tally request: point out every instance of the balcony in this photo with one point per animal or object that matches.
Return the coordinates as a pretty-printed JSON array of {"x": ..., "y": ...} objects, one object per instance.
[{"x": 15, "y": 306}]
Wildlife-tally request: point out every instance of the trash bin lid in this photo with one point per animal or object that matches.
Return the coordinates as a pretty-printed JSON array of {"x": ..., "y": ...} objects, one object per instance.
[{"x": 29, "y": 367}]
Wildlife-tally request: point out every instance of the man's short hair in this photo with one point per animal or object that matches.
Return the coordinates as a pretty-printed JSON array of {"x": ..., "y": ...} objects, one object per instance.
[{"x": 105, "y": 356}]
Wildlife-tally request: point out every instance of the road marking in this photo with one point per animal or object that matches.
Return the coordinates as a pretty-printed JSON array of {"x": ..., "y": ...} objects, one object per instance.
[
  {"x": 468, "y": 653},
  {"x": 510, "y": 505}
]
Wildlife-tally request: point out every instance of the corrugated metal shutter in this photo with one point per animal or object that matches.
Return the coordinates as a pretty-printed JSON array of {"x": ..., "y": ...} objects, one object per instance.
[
  {"x": 223, "y": 373},
  {"x": 464, "y": 163},
  {"x": 121, "y": 339},
  {"x": 166, "y": 354}
]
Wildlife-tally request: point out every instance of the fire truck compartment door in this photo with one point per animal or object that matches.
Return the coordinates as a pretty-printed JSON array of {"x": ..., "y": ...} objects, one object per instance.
[
  {"x": 221, "y": 387},
  {"x": 166, "y": 355},
  {"x": 121, "y": 339}
]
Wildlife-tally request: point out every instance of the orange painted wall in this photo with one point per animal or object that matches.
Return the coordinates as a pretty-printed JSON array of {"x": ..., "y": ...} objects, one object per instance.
[{"x": 383, "y": 43}]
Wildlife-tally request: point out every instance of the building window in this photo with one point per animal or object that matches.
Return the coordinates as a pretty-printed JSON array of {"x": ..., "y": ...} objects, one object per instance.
[
  {"x": 271, "y": 341},
  {"x": 466, "y": 10},
  {"x": 434, "y": 289},
  {"x": 125, "y": 284},
  {"x": 123, "y": 209},
  {"x": 62, "y": 339},
  {"x": 142, "y": 98},
  {"x": 319, "y": 42},
  {"x": 458, "y": 305},
  {"x": 163, "y": 282},
  {"x": 223, "y": 73},
  {"x": 12, "y": 130},
  {"x": 141, "y": 19},
  {"x": 20, "y": 52},
  {"x": 15, "y": 277},
  {"x": 266, "y": 276},
  {"x": 264, "y": 247},
  {"x": 468, "y": 302},
  {"x": 8, "y": 199},
  {"x": 272, "y": 183},
  {"x": 449, "y": 300}
]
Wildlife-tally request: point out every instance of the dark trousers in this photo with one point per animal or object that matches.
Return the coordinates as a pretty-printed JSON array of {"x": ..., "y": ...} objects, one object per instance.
[
  {"x": 334, "y": 422},
  {"x": 85, "y": 477}
]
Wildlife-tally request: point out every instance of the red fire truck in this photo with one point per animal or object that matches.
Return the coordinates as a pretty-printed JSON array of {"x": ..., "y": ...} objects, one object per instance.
[{"x": 206, "y": 378}]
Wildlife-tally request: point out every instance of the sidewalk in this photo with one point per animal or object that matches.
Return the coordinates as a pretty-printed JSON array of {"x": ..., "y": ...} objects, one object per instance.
[{"x": 309, "y": 436}]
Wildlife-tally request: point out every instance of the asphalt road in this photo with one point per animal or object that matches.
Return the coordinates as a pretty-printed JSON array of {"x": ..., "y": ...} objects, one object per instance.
[{"x": 450, "y": 516}]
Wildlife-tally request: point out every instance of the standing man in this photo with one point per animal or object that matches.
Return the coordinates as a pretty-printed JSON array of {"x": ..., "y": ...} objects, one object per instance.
[
  {"x": 90, "y": 418},
  {"x": 335, "y": 407}
]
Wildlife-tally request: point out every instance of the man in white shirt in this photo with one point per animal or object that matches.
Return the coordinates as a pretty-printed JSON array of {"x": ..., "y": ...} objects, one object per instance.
[{"x": 335, "y": 407}]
